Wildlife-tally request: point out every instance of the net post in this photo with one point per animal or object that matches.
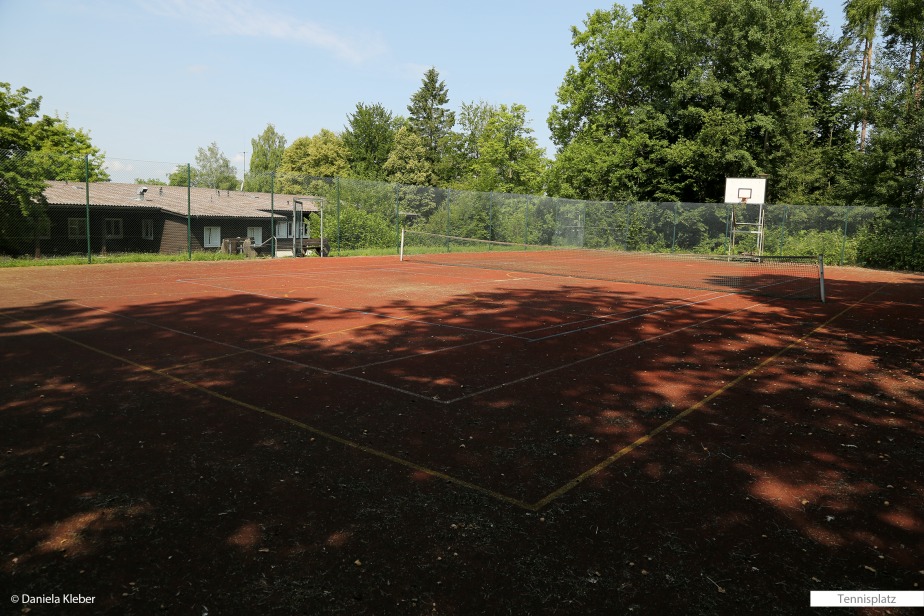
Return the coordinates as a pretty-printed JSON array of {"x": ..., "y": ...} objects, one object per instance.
[
  {"x": 401, "y": 246},
  {"x": 821, "y": 277}
]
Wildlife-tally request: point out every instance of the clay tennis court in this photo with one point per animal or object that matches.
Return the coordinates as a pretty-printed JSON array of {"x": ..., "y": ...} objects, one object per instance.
[{"x": 363, "y": 435}]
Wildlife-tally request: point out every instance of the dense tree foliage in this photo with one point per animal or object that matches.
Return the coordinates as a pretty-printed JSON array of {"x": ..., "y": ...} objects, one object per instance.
[
  {"x": 369, "y": 138},
  {"x": 34, "y": 149},
  {"x": 668, "y": 100},
  {"x": 266, "y": 156},
  {"x": 504, "y": 156},
  {"x": 212, "y": 170},
  {"x": 432, "y": 121},
  {"x": 322, "y": 155},
  {"x": 408, "y": 162}
]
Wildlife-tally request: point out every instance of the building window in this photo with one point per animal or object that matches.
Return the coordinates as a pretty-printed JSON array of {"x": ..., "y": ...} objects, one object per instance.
[
  {"x": 212, "y": 237},
  {"x": 284, "y": 228},
  {"x": 113, "y": 228},
  {"x": 256, "y": 234},
  {"x": 147, "y": 229},
  {"x": 76, "y": 228}
]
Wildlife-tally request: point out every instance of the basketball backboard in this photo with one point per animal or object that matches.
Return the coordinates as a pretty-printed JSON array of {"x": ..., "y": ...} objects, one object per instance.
[{"x": 751, "y": 190}]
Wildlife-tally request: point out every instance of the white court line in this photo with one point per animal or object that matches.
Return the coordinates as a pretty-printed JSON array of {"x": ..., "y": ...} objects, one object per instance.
[
  {"x": 244, "y": 351},
  {"x": 596, "y": 319},
  {"x": 583, "y": 360},
  {"x": 530, "y": 340},
  {"x": 414, "y": 394}
]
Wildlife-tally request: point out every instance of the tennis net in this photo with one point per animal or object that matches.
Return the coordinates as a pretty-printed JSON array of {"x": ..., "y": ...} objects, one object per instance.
[{"x": 772, "y": 276}]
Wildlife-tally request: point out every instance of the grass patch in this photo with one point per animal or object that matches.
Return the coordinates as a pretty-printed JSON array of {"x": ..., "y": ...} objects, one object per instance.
[
  {"x": 115, "y": 258},
  {"x": 156, "y": 258}
]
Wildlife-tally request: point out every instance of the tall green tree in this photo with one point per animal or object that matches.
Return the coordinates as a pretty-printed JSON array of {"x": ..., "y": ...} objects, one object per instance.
[
  {"x": 183, "y": 175},
  {"x": 472, "y": 119},
  {"x": 862, "y": 24},
  {"x": 668, "y": 100},
  {"x": 408, "y": 162},
  {"x": 34, "y": 149},
  {"x": 214, "y": 170},
  {"x": 369, "y": 137},
  {"x": 267, "y": 150},
  {"x": 890, "y": 171},
  {"x": 431, "y": 119},
  {"x": 508, "y": 158},
  {"x": 320, "y": 156}
]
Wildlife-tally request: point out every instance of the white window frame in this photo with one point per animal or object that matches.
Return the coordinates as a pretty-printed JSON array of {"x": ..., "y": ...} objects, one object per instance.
[
  {"x": 76, "y": 228},
  {"x": 211, "y": 237},
  {"x": 147, "y": 228},
  {"x": 284, "y": 228},
  {"x": 116, "y": 231},
  {"x": 256, "y": 233}
]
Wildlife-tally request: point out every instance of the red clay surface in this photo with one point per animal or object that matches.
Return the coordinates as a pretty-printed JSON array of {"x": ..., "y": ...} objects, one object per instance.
[{"x": 364, "y": 436}]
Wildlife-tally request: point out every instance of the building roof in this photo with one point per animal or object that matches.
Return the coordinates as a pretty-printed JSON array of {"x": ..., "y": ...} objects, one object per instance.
[{"x": 173, "y": 199}]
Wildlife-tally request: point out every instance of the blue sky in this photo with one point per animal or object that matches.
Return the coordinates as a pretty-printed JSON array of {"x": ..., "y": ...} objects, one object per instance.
[{"x": 153, "y": 80}]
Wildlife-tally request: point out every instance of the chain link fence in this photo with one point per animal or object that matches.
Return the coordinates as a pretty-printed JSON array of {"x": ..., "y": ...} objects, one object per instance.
[{"x": 93, "y": 209}]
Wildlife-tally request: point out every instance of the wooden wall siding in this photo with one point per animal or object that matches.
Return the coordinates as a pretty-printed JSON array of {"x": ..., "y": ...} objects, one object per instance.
[
  {"x": 173, "y": 238},
  {"x": 169, "y": 231}
]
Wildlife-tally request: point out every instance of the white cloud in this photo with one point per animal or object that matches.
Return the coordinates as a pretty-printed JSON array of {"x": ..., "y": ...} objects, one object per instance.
[
  {"x": 118, "y": 166},
  {"x": 245, "y": 18},
  {"x": 414, "y": 72}
]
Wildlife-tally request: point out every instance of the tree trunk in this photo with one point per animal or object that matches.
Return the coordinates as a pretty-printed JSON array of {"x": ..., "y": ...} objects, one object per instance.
[{"x": 865, "y": 79}]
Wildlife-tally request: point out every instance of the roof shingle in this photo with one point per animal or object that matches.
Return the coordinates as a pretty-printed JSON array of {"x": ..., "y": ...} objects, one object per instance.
[{"x": 173, "y": 199}]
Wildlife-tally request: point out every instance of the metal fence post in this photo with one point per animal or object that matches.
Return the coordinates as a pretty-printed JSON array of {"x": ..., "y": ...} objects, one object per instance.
[
  {"x": 844, "y": 239},
  {"x": 783, "y": 230},
  {"x": 626, "y": 238},
  {"x": 86, "y": 161},
  {"x": 728, "y": 216},
  {"x": 448, "y": 216},
  {"x": 526, "y": 224},
  {"x": 189, "y": 211},
  {"x": 674, "y": 232},
  {"x": 272, "y": 214},
  {"x": 912, "y": 264},
  {"x": 397, "y": 219},
  {"x": 491, "y": 215},
  {"x": 338, "y": 216}
]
